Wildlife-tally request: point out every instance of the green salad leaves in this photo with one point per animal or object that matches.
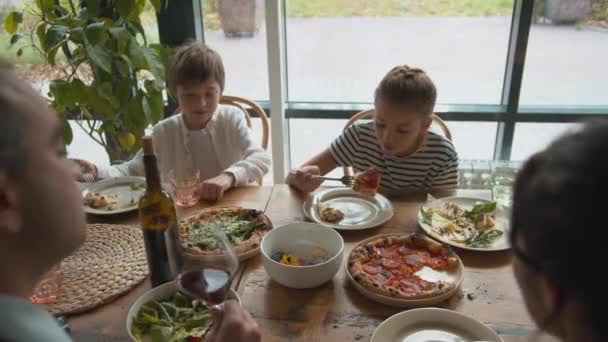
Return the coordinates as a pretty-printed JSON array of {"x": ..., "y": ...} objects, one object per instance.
[{"x": 175, "y": 319}]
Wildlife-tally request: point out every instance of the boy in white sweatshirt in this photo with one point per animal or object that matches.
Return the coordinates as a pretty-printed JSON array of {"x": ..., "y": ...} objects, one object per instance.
[{"x": 206, "y": 136}]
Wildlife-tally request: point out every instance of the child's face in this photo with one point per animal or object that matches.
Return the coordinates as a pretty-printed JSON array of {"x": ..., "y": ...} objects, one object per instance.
[
  {"x": 399, "y": 130},
  {"x": 198, "y": 101}
]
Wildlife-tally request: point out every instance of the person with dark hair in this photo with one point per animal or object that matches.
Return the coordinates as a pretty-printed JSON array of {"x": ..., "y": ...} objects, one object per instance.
[
  {"x": 559, "y": 234},
  {"x": 206, "y": 136},
  {"x": 41, "y": 217}
]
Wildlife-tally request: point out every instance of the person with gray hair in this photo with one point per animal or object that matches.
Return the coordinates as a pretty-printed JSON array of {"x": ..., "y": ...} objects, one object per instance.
[{"x": 41, "y": 217}]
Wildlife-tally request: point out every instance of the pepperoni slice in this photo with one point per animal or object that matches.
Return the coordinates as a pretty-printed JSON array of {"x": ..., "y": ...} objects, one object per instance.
[
  {"x": 409, "y": 286},
  {"x": 372, "y": 269},
  {"x": 390, "y": 263},
  {"x": 414, "y": 260}
]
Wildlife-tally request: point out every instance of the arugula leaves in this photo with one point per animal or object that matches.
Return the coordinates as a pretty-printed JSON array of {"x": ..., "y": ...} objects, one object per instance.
[
  {"x": 481, "y": 208},
  {"x": 483, "y": 239},
  {"x": 174, "y": 319}
]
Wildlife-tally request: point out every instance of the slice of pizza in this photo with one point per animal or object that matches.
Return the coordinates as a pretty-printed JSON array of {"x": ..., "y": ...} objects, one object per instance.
[
  {"x": 367, "y": 182},
  {"x": 98, "y": 201},
  {"x": 331, "y": 215}
]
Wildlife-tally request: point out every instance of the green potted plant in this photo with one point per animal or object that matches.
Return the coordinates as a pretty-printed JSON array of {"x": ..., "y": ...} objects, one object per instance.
[{"x": 113, "y": 80}]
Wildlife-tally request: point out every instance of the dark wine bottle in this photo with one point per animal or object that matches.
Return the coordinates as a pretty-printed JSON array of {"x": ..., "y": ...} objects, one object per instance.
[{"x": 158, "y": 220}]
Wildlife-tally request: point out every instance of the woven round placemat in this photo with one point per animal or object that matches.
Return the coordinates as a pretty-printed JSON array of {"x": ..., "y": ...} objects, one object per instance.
[{"x": 111, "y": 262}]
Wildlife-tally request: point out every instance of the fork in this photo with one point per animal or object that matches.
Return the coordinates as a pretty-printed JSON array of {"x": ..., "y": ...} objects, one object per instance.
[{"x": 346, "y": 180}]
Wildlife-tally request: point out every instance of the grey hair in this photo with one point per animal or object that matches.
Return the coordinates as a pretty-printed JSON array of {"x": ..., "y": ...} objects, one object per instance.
[{"x": 13, "y": 107}]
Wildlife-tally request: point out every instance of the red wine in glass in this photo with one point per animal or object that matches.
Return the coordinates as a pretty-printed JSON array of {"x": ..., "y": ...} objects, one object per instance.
[{"x": 210, "y": 284}]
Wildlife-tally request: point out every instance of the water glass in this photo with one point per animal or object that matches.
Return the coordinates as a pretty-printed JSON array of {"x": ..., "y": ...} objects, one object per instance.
[
  {"x": 48, "y": 288},
  {"x": 503, "y": 178},
  {"x": 465, "y": 174},
  {"x": 482, "y": 174},
  {"x": 185, "y": 187}
]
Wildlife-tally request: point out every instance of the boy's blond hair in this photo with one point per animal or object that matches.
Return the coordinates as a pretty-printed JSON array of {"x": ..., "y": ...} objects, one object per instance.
[
  {"x": 410, "y": 87},
  {"x": 196, "y": 62}
]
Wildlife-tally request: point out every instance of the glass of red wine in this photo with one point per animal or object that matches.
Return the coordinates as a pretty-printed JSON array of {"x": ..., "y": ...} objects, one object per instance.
[{"x": 208, "y": 278}]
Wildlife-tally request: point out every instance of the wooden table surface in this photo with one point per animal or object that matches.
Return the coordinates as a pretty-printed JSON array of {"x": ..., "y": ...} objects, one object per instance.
[{"x": 334, "y": 311}]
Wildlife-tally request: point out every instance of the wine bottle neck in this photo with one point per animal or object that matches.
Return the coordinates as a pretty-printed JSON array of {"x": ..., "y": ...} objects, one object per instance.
[{"x": 152, "y": 174}]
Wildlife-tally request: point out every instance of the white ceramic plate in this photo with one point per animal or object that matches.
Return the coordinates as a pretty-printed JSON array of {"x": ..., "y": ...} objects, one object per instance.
[
  {"x": 501, "y": 218},
  {"x": 455, "y": 275},
  {"x": 159, "y": 293},
  {"x": 432, "y": 324},
  {"x": 360, "y": 212},
  {"x": 121, "y": 186}
]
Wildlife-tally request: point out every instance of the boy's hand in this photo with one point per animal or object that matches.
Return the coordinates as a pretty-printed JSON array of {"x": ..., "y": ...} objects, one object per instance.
[
  {"x": 233, "y": 323},
  {"x": 85, "y": 167},
  {"x": 213, "y": 189},
  {"x": 302, "y": 178}
]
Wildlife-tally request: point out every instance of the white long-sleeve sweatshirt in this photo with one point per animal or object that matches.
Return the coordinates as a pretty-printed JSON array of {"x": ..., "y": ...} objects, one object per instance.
[{"x": 224, "y": 145}]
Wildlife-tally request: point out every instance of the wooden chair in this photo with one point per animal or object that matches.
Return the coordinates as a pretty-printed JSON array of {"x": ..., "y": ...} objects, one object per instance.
[
  {"x": 369, "y": 114},
  {"x": 244, "y": 104}
]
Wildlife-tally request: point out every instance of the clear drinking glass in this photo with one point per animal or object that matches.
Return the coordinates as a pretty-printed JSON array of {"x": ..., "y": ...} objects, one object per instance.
[
  {"x": 209, "y": 277},
  {"x": 503, "y": 178},
  {"x": 482, "y": 171},
  {"x": 465, "y": 174},
  {"x": 48, "y": 288},
  {"x": 185, "y": 187}
]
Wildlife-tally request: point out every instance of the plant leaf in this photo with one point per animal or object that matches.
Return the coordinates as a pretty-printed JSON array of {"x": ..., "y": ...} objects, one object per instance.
[
  {"x": 20, "y": 52},
  {"x": 12, "y": 21},
  {"x": 100, "y": 56},
  {"x": 45, "y": 6},
  {"x": 125, "y": 7},
  {"x": 157, "y": 5},
  {"x": 122, "y": 36},
  {"x": 55, "y": 35},
  {"x": 96, "y": 33},
  {"x": 14, "y": 39},
  {"x": 41, "y": 33}
]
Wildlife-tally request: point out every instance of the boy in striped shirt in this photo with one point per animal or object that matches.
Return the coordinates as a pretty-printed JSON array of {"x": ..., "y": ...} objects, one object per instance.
[{"x": 397, "y": 143}]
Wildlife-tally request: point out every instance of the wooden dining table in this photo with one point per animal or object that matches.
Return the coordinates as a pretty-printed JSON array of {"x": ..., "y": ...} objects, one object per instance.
[{"x": 335, "y": 311}]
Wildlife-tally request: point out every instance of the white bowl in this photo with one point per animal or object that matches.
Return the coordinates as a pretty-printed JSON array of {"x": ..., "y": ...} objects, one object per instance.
[
  {"x": 301, "y": 239},
  {"x": 433, "y": 324},
  {"x": 161, "y": 292}
]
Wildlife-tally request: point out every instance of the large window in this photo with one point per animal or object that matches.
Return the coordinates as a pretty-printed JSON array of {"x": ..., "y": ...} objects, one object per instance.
[
  {"x": 337, "y": 51},
  {"x": 566, "y": 65},
  {"x": 236, "y": 30}
]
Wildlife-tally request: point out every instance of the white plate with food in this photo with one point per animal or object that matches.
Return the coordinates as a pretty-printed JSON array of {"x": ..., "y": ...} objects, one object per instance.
[
  {"x": 467, "y": 223},
  {"x": 433, "y": 324},
  {"x": 179, "y": 318},
  {"x": 404, "y": 270},
  {"x": 243, "y": 227},
  {"x": 346, "y": 209},
  {"x": 114, "y": 195}
]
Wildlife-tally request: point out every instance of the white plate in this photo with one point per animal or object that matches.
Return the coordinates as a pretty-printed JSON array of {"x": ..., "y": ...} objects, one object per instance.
[
  {"x": 501, "y": 218},
  {"x": 120, "y": 186},
  {"x": 432, "y": 324},
  {"x": 161, "y": 292},
  {"x": 360, "y": 212},
  {"x": 455, "y": 275}
]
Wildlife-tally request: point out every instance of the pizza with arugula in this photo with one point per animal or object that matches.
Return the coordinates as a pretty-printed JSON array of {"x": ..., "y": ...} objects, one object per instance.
[{"x": 243, "y": 227}]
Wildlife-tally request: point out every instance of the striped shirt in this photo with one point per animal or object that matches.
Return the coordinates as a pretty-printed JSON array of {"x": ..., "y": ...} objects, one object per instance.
[{"x": 434, "y": 165}]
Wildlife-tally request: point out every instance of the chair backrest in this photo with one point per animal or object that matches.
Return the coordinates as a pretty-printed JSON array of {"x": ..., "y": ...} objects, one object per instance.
[
  {"x": 369, "y": 114},
  {"x": 243, "y": 104}
]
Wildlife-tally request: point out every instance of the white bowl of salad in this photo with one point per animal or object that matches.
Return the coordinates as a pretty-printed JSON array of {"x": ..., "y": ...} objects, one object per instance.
[{"x": 165, "y": 314}]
